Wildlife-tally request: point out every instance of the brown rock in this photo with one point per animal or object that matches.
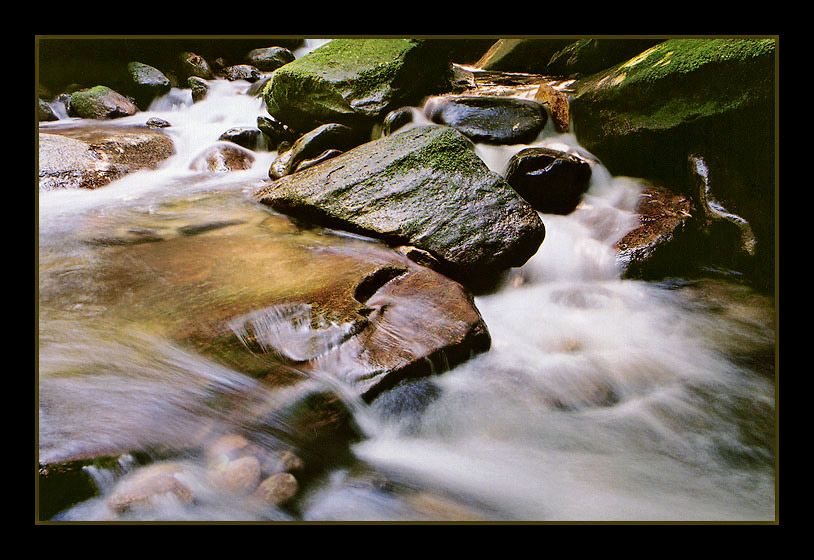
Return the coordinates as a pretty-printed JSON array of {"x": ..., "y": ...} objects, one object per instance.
[
  {"x": 663, "y": 217},
  {"x": 145, "y": 486},
  {"x": 240, "y": 476},
  {"x": 93, "y": 156},
  {"x": 222, "y": 158},
  {"x": 277, "y": 489}
]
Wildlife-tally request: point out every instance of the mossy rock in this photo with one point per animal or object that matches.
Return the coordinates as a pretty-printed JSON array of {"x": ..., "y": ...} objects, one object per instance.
[
  {"x": 355, "y": 82},
  {"x": 713, "y": 98},
  {"x": 424, "y": 187},
  {"x": 101, "y": 102}
]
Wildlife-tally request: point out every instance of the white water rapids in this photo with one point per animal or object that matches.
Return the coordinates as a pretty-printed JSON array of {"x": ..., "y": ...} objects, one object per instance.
[{"x": 602, "y": 399}]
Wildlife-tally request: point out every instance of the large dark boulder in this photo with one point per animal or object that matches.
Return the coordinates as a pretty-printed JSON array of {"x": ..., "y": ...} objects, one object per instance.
[
  {"x": 268, "y": 59},
  {"x": 356, "y": 82},
  {"x": 713, "y": 98},
  {"x": 147, "y": 83},
  {"x": 492, "y": 120},
  {"x": 550, "y": 180},
  {"x": 424, "y": 187}
]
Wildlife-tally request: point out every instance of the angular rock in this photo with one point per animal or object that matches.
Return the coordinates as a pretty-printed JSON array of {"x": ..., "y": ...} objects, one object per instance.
[
  {"x": 147, "y": 83},
  {"x": 521, "y": 55},
  {"x": 424, "y": 187},
  {"x": 355, "y": 82},
  {"x": 101, "y": 102},
  {"x": 658, "y": 246},
  {"x": 270, "y": 58},
  {"x": 550, "y": 180},
  {"x": 492, "y": 120}
]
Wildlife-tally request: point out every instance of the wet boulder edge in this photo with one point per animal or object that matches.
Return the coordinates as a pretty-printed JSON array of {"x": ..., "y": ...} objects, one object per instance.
[{"x": 424, "y": 187}]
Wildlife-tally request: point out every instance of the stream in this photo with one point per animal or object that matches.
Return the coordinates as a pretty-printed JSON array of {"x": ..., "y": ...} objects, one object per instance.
[{"x": 601, "y": 398}]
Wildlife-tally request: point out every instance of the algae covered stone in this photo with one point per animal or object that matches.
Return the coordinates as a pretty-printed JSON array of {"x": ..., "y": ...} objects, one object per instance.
[
  {"x": 354, "y": 82},
  {"x": 101, "y": 102},
  {"x": 424, "y": 187},
  {"x": 715, "y": 98}
]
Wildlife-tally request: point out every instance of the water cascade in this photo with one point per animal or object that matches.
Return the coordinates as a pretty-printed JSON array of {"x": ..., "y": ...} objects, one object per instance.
[{"x": 601, "y": 398}]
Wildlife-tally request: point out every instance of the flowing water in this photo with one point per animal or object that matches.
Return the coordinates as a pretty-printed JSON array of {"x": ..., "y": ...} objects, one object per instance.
[{"x": 601, "y": 398}]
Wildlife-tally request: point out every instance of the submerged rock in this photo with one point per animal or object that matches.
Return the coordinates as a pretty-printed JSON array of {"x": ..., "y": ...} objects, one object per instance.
[
  {"x": 222, "y": 158},
  {"x": 424, "y": 187},
  {"x": 150, "y": 487}
]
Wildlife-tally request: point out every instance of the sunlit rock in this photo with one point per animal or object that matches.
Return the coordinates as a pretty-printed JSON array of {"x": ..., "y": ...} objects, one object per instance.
[{"x": 93, "y": 156}]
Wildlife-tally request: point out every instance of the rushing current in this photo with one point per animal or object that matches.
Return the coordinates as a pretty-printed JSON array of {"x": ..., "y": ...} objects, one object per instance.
[{"x": 601, "y": 399}]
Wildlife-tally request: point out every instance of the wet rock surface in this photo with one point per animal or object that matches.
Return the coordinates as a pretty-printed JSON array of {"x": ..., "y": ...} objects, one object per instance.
[
  {"x": 424, "y": 187},
  {"x": 93, "y": 156},
  {"x": 493, "y": 120},
  {"x": 550, "y": 180}
]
